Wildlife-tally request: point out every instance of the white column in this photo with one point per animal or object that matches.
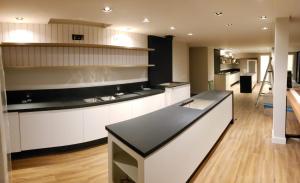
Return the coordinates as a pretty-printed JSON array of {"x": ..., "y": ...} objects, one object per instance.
[{"x": 280, "y": 79}]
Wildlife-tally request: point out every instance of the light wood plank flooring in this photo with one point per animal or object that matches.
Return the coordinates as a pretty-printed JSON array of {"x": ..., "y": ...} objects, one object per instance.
[{"x": 244, "y": 155}]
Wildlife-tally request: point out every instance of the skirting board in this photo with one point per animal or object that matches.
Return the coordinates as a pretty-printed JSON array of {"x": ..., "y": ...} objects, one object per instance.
[{"x": 278, "y": 140}]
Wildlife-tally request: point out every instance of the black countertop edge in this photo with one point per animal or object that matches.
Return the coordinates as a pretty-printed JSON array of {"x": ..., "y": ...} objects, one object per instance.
[
  {"x": 47, "y": 106},
  {"x": 144, "y": 155}
]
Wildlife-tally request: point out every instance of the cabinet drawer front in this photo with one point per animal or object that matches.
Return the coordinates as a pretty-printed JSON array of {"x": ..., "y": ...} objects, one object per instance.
[{"x": 51, "y": 129}]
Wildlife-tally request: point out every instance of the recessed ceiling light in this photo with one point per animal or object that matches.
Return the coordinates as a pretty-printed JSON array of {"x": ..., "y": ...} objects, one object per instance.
[
  {"x": 228, "y": 25},
  {"x": 172, "y": 28},
  {"x": 20, "y": 18},
  {"x": 265, "y": 28},
  {"x": 107, "y": 9},
  {"x": 146, "y": 20},
  {"x": 219, "y": 13},
  {"x": 263, "y": 17},
  {"x": 190, "y": 34}
]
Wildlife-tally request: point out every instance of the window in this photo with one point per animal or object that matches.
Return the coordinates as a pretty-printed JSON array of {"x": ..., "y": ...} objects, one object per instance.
[
  {"x": 264, "y": 62},
  {"x": 290, "y": 63}
]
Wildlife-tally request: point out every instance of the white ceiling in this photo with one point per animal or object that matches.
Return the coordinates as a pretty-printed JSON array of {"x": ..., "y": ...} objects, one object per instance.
[{"x": 196, "y": 16}]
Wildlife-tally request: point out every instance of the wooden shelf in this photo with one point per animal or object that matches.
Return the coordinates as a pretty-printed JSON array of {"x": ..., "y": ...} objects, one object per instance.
[
  {"x": 12, "y": 44},
  {"x": 76, "y": 66},
  {"x": 127, "y": 164}
]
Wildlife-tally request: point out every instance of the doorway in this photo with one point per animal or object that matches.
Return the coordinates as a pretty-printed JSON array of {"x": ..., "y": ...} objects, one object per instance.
[
  {"x": 264, "y": 61},
  {"x": 251, "y": 66}
]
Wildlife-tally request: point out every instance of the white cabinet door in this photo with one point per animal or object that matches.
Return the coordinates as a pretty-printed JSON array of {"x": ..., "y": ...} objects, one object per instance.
[
  {"x": 157, "y": 102},
  {"x": 51, "y": 128},
  {"x": 180, "y": 93},
  {"x": 95, "y": 119},
  {"x": 13, "y": 132},
  {"x": 147, "y": 104},
  {"x": 120, "y": 111},
  {"x": 140, "y": 107}
]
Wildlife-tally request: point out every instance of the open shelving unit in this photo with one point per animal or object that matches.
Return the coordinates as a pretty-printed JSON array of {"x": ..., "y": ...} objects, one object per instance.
[
  {"x": 24, "y": 66},
  {"x": 13, "y": 44},
  {"x": 125, "y": 166},
  {"x": 128, "y": 165}
]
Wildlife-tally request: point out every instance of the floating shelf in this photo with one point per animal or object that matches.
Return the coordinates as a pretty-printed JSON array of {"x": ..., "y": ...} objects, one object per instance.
[
  {"x": 75, "y": 66},
  {"x": 12, "y": 44},
  {"x": 127, "y": 164}
]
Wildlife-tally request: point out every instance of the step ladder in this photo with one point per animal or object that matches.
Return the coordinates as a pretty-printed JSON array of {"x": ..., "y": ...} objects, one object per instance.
[{"x": 269, "y": 72}]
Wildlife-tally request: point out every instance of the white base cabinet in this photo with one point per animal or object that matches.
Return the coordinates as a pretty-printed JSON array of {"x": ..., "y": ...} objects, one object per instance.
[
  {"x": 94, "y": 120},
  {"x": 147, "y": 105},
  {"x": 51, "y": 128},
  {"x": 120, "y": 111},
  {"x": 13, "y": 135},
  {"x": 177, "y": 94},
  {"x": 45, "y": 129}
]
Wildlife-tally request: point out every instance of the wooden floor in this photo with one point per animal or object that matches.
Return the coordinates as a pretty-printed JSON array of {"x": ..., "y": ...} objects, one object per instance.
[{"x": 244, "y": 155}]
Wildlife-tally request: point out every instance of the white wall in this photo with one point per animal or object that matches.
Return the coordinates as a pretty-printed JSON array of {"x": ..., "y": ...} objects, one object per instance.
[
  {"x": 198, "y": 69},
  {"x": 180, "y": 61},
  {"x": 58, "y": 56}
]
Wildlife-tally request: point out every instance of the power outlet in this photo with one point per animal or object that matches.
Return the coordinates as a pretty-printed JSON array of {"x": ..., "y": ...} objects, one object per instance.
[{"x": 77, "y": 37}]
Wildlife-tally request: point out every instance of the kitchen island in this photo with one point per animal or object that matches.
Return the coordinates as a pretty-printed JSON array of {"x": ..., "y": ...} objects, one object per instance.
[
  {"x": 175, "y": 139},
  {"x": 247, "y": 82}
]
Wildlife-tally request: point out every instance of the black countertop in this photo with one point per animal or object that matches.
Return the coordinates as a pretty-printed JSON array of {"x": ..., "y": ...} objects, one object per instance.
[
  {"x": 229, "y": 71},
  {"x": 75, "y": 103},
  {"x": 147, "y": 133}
]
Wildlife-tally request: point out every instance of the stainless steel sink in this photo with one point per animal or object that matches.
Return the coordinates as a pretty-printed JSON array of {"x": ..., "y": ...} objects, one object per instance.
[
  {"x": 143, "y": 92},
  {"x": 108, "y": 98},
  {"x": 128, "y": 95},
  {"x": 199, "y": 104},
  {"x": 99, "y": 99},
  {"x": 91, "y": 100}
]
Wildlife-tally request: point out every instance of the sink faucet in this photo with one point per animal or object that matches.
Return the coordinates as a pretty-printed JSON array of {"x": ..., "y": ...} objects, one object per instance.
[
  {"x": 142, "y": 87},
  {"x": 118, "y": 88}
]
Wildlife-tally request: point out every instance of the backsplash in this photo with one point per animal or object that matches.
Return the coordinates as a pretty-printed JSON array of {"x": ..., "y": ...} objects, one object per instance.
[
  {"x": 17, "y": 97},
  {"x": 41, "y": 78}
]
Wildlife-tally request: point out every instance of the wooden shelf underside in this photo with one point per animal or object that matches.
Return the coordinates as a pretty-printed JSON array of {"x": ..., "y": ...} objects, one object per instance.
[
  {"x": 12, "y": 44},
  {"x": 76, "y": 66}
]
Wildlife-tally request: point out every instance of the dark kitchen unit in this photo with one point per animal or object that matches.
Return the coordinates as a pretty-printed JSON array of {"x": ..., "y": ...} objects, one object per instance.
[
  {"x": 161, "y": 58},
  {"x": 297, "y": 73},
  {"x": 247, "y": 82},
  {"x": 217, "y": 61}
]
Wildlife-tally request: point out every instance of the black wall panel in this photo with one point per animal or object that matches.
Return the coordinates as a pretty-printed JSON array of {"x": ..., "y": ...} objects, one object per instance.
[{"x": 161, "y": 58}]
